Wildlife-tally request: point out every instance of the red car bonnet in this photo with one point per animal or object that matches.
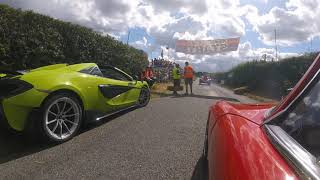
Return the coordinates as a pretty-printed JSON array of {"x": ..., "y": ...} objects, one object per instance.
[
  {"x": 307, "y": 77},
  {"x": 252, "y": 112}
]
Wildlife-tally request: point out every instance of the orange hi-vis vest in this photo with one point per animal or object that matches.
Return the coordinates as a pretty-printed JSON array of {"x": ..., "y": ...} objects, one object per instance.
[
  {"x": 146, "y": 74},
  {"x": 149, "y": 73},
  {"x": 188, "y": 72}
]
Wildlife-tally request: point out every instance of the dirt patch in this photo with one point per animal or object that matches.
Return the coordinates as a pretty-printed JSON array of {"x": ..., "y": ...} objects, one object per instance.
[{"x": 160, "y": 90}]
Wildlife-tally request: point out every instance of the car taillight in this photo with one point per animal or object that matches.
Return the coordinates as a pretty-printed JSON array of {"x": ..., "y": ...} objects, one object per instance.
[{"x": 12, "y": 87}]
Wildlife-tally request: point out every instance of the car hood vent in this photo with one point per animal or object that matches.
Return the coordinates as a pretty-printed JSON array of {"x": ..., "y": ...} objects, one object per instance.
[{"x": 12, "y": 87}]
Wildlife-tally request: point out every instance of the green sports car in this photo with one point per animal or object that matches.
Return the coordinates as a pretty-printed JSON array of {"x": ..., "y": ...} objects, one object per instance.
[{"x": 56, "y": 100}]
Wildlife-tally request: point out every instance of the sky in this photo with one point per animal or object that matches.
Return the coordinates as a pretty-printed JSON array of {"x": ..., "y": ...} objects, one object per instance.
[{"x": 153, "y": 25}]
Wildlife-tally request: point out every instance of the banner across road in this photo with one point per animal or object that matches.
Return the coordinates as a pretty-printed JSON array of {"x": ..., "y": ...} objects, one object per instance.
[{"x": 207, "y": 46}]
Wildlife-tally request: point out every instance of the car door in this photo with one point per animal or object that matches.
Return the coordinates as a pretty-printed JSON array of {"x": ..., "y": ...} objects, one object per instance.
[{"x": 119, "y": 89}]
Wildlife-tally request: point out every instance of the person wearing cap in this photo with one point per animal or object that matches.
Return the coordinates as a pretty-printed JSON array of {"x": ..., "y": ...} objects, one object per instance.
[
  {"x": 176, "y": 78},
  {"x": 188, "y": 77}
]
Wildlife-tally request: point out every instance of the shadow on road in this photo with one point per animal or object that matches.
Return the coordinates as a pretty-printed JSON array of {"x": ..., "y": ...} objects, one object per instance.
[
  {"x": 207, "y": 97},
  {"x": 90, "y": 126},
  {"x": 200, "y": 171},
  {"x": 17, "y": 145},
  {"x": 197, "y": 96}
]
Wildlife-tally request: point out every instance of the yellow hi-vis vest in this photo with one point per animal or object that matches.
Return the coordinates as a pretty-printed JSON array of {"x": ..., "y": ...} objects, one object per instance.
[{"x": 176, "y": 73}]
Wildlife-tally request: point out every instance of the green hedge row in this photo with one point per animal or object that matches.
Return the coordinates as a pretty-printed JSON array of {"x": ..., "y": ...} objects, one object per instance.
[
  {"x": 30, "y": 40},
  {"x": 270, "y": 79}
]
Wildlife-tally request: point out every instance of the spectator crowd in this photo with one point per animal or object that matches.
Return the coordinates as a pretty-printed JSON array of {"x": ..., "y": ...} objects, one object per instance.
[
  {"x": 162, "y": 69},
  {"x": 159, "y": 62}
]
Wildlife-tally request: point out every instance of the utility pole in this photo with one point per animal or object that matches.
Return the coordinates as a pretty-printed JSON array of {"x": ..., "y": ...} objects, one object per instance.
[
  {"x": 311, "y": 44},
  {"x": 275, "y": 43},
  {"x": 168, "y": 49},
  {"x": 128, "y": 37}
]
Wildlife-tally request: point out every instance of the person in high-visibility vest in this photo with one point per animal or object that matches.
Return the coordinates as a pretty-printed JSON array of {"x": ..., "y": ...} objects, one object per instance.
[
  {"x": 188, "y": 77},
  {"x": 176, "y": 78}
]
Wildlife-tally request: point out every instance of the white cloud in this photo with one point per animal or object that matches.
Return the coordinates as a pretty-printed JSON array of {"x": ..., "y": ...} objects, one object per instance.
[
  {"x": 168, "y": 20},
  {"x": 162, "y": 19},
  {"x": 142, "y": 44},
  {"x": 190, "y": 6},
  {"x": 294, "y": 24}
]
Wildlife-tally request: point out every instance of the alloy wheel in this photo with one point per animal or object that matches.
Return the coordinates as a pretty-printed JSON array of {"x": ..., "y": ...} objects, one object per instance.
[
  {"x": 62, "y": 118},
  {"x": 144, "y": 97}
]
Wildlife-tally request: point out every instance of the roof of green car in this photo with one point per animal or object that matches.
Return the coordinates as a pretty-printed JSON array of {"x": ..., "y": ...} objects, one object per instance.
[
  {"x": 78, "y": 67},
  {"x": 73, "y": 67}
]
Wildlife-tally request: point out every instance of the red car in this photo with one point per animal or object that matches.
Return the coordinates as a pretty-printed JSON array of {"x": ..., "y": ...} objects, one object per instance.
[
  {"x": 205, "y": 80},
  {"x": 264, "y": 141}
]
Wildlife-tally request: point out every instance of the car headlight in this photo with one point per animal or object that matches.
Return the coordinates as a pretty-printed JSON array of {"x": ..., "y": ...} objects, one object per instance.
[{"x": 13, "y": 87}]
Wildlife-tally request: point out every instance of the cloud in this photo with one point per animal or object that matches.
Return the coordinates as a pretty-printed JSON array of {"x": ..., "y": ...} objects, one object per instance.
[
  {"x": 295, "y": 23},
  {"x": 112, "y": 8},
  {"x": 175, "y": 6},
  {"x": 142, "y": 44},
  {"x": 168, "y": 20}
]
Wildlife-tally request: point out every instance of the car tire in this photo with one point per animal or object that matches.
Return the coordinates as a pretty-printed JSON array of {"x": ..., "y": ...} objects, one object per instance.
[
  {"x": 205, "y": 144},
  {"x": 205, "y": 154},
  {"x": 144, "y": 97},
  {"x": 61, "y": 117}
]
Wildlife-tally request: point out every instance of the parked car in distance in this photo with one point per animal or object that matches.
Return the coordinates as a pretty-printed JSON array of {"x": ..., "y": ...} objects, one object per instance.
[
  {"x": 264, "y": 141},
  {"x": 56, "y": 100},
  {"x": 205, "y": 80}
]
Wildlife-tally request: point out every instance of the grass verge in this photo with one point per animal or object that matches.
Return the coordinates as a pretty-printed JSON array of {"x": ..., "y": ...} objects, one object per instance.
[
  {"x": 160, "y": 90},
  {"x": 260, "y": 98},
  {"x": 253, "y": 95}
]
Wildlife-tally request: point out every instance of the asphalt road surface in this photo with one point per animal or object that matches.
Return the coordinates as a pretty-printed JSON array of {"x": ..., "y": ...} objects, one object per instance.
[{"x": 161, "y": 141}]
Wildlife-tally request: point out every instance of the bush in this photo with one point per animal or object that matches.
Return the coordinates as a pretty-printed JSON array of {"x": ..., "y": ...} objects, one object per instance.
[
  {"x": 271, "y": 79},
  {"x": 30, "y": 40}
]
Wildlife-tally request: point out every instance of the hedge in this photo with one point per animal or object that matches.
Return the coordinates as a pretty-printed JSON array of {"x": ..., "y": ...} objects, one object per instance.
[
  {"x": 270, "y": 79},
  {"x": 30, "y": 40}
]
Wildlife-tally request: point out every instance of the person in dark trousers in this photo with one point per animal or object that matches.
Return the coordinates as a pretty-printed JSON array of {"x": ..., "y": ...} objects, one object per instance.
[
  {"x": 176, "y": 78},
  {"x": 188, "y": 77}
]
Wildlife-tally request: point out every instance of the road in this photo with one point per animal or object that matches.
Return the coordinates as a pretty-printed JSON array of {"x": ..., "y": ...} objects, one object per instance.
[{"x": 161, "y": 141}]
